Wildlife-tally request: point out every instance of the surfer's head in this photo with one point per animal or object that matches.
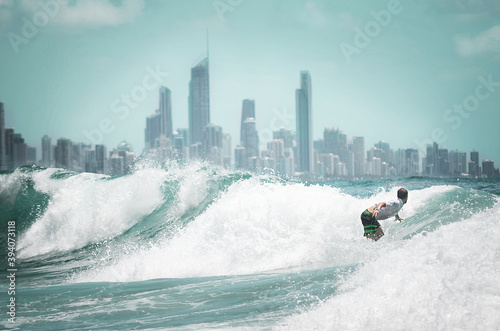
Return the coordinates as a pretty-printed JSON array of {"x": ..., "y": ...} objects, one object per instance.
[{"x": 403, "y": 194}]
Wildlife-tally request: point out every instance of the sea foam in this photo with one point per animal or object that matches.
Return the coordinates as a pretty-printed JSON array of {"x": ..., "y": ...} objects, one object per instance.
[
  {"x": 442, "y": 280},
  {"x": 258, "y": 226}
]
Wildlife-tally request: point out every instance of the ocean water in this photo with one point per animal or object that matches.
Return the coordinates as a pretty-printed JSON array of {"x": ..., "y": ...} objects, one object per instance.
[{"x": 193, "y": 247}]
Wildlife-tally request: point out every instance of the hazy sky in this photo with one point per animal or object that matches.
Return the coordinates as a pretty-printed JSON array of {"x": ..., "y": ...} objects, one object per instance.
[{"x": 404, "y": 72}]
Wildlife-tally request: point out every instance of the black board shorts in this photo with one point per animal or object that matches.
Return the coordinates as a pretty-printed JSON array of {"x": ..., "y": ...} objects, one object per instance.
[{"x": 370, "y": 223}]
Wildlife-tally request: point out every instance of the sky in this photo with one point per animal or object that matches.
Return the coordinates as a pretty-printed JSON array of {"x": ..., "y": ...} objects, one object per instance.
[{"x": 407, "y": 72}]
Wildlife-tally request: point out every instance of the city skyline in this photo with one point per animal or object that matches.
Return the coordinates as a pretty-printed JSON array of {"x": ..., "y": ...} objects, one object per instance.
[
  {"x": 428, "y": 78},
  {"x": 334, "y": 156}
]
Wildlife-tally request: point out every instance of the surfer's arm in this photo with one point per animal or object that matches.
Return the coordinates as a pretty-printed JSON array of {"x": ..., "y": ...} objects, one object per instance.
[{"x": 376, "y": 209}]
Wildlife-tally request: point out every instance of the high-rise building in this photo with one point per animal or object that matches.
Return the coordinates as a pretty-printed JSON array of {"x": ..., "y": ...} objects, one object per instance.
[
  {"x": 101, "y": 159},
  {"x": 166, "y": 112},
  {"x": 474, "y": 156},
  {"x": 443, "y": 162},
  {"x": 462, "y": 163},
  {"x": 212, "y": 143},
  {"x": 474, "y": 167},
  {"x": 286, "y": 166},
  {"x": 276, "y": 148},
  {"x": 178, "y": 146},
  {"x": 458, "y": 162},
  {"x": 434, "y": 163},
  {"x": 358, "y": 151},
  {"x": 343, "y": 151},
  {"x": 406, "y": 162},
  {"x": 19, "y": 151},
  {"x": 90, "y": 160},
  {"x": 240, "y": 157},
  {"x": 3, "y": 155},
  {"x": 488, "y": 168},
  {"x": 386, "y": 152},
  {"x": 46, "y": 151},
  {"x": 9, "y": 148},
  {"x": 327, "y": 162},
  {"x": 303, "y": 102},
  {"x": 64, "y": 154},
  {"x": 331, "y": 139},
  {"x": 247, "y": 111},
  {"x": 226, "y": 150},
  {"x": 79, "y": 156},
  {"x": 285, "y": 135},
  {"x": 121, "y": 159},
  {"x": 199, "y": 101},
  {"x": 335, "y": 142},
  {"x": 250, "y": 139},
  {"x": 376, "y": 167},
  {"x": 31, "y": 155},
  {"x": 185, "y": 136},
  {"x": 153, "y": 130},
  {"x": 116, "y": 165}
]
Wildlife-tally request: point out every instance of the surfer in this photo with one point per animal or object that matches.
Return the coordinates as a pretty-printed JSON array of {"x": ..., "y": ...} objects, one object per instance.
[{"x": 382, "y": 211}]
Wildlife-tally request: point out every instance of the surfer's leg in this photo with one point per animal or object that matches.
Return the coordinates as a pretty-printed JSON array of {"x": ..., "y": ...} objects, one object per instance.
[
  {"x": 377, "y": 235},
  {"x": 371, "y": 226}
]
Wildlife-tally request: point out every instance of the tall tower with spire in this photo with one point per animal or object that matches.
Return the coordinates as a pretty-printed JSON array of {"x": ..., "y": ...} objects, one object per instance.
[
  {"x": 303, "y": 100},
  {"x": 166, "y": 112},
  {"x": 199, "y": 100}
]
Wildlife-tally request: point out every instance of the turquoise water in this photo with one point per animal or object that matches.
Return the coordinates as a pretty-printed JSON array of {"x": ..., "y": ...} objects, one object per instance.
[{"x": 195, "y": 247}]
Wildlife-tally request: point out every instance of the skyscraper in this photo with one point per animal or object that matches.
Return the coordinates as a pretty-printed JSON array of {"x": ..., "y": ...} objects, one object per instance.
[
  {"x": 247, "y": 111},
  {"x": 474, "y": 168},
  {"x": 199, "y": 101},
  {"x": 19, "y": 151},
  {"x": 251, "y": 138},
  {"x": 160, "y": 123},
  {"x": 412, "y": 162},
  {"x": 285, "y": 135},
  {"x": 100, "y": 155},
  {"x": 286, "y": 166},
  {"x": 331, "y": 139},
  {"x": 64, "y": 154},
  {"x": 153, "y": 129},
  {"x": 303, "y": 101},
  {"x": 46, "y": 151},
  {"x": 488, "y": 168},
  {"x": 9, "y": 148},
  {"x": 226, "y": 150},
  {"x": 240, "y": 157},
  {"x": 213, "y": 143},
  {"x": 166, "y": 112},
  {"x": 358, "y": 151},
  {"x": 474, "y": 156},
  {"x": 458, "y": 162},
  {"x": 3, "y": 155},
  {"x": 443, "y": 162}
]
